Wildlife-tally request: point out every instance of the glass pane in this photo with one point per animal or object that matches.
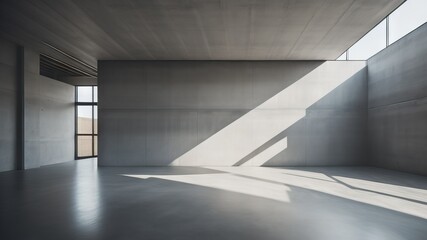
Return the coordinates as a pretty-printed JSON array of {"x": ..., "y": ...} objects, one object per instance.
[
  {"x": 95, "y": 94},
  {"x": 84, "y": 146},
  {"x": 84, "y": 119},
  {"x": 95, "y": 119},
  {"x": 84, "y": 94},
  {"x": 342, "y": 57},
  {"x": 409, "y": 16},
  {"x": 95, "y": 146},
  {"x": 370, "y": 44}
]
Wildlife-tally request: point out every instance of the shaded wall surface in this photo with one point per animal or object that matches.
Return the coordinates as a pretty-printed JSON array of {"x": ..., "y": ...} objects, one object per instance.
[
  {"x": 195, "y": 113},
  {"x": 49, "y": 117},
  {"x": 7, "y": 105},
  {"x": 398, "y": 104},
  {"x": 49, "y": 113}
]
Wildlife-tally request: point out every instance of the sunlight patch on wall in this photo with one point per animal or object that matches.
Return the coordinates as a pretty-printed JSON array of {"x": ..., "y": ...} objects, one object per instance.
[
  {"x": 267, "y": 154},
  {"x": 234, "y": 142}
]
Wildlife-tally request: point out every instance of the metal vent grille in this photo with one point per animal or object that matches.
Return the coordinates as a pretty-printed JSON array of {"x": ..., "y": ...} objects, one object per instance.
[{"x": 57, "y": 69}]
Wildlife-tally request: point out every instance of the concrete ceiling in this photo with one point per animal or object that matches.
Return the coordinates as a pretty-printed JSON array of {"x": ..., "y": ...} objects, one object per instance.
[{"x": 194, "y": 29}]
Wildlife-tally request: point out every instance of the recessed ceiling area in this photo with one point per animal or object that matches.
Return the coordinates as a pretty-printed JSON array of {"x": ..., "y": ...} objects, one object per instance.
[{"x": 194, "y": 30}]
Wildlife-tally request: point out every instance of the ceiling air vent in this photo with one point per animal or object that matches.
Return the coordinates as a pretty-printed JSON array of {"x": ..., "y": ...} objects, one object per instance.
[{"x": 57, "y": 69}]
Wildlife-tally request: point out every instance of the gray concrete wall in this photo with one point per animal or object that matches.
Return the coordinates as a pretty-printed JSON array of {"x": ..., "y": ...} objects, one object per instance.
[
  {"x": 398, "y": 105},
  {"x": 49, "y": 113},
  {"x": 193, "y": 113},
  {"x": 7, "y": 106},
  {"x": 49, "y": 117}
]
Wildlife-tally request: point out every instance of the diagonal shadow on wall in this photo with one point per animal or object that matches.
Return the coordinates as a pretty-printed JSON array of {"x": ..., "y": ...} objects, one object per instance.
[
  {"x": 228, "y": 113},
  {"x": 317, "y": 111},
  {"x": 331, "y": 132}
]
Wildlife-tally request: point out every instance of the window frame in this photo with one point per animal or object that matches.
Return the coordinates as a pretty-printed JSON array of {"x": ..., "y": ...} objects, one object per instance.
[{"x": 76, "y": 127}]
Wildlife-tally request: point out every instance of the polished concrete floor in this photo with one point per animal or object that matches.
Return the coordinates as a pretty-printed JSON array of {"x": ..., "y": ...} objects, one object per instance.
[{"x": 79, "y": 201}]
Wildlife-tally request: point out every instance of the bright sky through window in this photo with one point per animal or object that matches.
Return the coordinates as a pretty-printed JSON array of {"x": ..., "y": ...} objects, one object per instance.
[
  {"x": 409, "y": 16},
  {"x": 370, "y": 44}
]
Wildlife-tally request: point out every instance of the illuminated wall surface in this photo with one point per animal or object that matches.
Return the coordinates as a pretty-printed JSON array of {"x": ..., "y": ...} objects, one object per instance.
[
  {"x": 398, "y": 105},
  {"x": 284, "y": 113}
]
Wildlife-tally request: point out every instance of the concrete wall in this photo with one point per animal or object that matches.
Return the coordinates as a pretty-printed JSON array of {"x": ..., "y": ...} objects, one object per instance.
[
  {"x": 275, "y": 113},
  {"x": 49, "y": 113},
  {"x": 398, "y": 105},
  {"x": 49, "y": 117},
  {"x": 7, "y": 106}
]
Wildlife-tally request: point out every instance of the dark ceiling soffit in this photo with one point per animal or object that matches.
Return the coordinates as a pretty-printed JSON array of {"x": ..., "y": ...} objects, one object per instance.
[
  {"x": 51, "y": 63},
  {"x": 70, "y": 56}
]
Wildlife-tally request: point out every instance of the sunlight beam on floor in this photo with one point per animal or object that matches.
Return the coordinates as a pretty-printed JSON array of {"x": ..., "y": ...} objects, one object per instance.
[{"x": 228, "y": 182}]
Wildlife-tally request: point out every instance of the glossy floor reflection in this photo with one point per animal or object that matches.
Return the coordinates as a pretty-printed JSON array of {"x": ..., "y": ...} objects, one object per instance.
[{"x": 79, "y": 201}]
